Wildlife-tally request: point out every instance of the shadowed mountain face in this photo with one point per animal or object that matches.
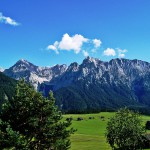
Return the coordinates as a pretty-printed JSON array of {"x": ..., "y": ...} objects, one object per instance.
[{"x": 92, "y": 85}]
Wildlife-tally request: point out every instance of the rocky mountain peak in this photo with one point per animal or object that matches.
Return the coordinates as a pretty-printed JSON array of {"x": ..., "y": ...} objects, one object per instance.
[
  {"x": 118, "y": 61},
  {"x": 24, "y": 62},
  {"x": 73, "y": 67},
  {"x": 90, "y": 61},
  {"x": 34, "y": 74},
  {"x": 59, "y": 67}
]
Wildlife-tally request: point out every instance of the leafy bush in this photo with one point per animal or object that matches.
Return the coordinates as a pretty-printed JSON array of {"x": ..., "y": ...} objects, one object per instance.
[{"x": 125, "y": 131}]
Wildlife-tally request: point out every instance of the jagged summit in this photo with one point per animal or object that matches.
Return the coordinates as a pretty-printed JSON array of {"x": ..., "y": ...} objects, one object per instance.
[
  {"x": 34, "y": 74},
  {"x": 90, "y": 59},
  {"x": 23, "y": 60}
]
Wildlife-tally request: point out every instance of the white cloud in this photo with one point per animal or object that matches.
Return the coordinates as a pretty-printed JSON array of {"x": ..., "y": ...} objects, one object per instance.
[
  {"x": 109, "y": 52},
  {"x": 8, "y": 20},
  {"x": 85, "y": 53},
  {"x": 69, "y": 43},
  {"x": 97, "y": 43},
  {"x": 76, "y": 43},
  {"x": 72, "y": 43},
  {"x": 54, "y": 47},
  {"x": 121, "y": 52},
  {"x": 121, "y": 55},
  {"x": 51, "y": 47}
]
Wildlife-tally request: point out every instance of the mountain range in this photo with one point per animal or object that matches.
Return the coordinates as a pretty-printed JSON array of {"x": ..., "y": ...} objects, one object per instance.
[{"x": 93, "y": 85}]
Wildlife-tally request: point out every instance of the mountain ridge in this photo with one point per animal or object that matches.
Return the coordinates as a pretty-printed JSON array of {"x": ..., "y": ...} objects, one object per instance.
[
  {"x": 91, "y": 85},
  {"x": 32, "y": 73}
]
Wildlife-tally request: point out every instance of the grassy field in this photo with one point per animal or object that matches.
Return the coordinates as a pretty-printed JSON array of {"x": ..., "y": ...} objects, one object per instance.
[{"x": 90, "y": 133}]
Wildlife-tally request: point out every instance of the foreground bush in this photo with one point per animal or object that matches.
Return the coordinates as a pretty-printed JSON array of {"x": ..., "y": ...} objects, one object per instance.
[
  {"x": 29, "y": 121},
  {"x": 125, "y": 131}
]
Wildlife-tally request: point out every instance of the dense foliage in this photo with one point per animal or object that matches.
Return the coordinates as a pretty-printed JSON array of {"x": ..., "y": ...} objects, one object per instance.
[
  {"x": 125, "y": 131},
  {"x": 7, "y": 89},
  {"x": 95, "y": 97},
  {"x": 29, "y": 121}
]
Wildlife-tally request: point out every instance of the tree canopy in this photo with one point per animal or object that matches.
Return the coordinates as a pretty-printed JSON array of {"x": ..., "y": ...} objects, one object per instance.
[
  {"x": 125, "y": 130},
  {"x": 30, "y": 121}
]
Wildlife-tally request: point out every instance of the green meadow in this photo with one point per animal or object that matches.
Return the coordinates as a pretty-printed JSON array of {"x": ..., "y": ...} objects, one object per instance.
[{"x": 90, "y": 134}]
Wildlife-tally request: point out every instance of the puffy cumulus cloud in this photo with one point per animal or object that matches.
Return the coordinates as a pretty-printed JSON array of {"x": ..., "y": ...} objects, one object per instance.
[
  {"x": 109, "y": 52},
  {"x": 72, "y": 43},
  {"x": 85, "y": 53},
  {"x": 8, "y": 20},
  {"x": 97, "y": 43},
  {"x": 69, "y": 43},
  {"x": 121, "y": 52}
]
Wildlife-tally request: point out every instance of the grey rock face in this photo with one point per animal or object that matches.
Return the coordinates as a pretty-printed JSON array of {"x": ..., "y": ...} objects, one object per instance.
[
  {"x": 34, "y": 74},
  {"x": 116, "y": 71}
]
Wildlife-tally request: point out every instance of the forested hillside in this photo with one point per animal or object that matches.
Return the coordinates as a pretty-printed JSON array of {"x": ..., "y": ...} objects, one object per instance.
[{"x": 7, "y": 87}]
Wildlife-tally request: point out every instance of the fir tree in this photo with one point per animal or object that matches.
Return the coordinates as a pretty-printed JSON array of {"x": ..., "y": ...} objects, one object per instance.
[{"x": 30, "y": 121}]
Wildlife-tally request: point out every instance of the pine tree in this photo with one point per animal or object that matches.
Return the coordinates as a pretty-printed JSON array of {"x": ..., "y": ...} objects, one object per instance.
[{"x": 30, "y": 121}]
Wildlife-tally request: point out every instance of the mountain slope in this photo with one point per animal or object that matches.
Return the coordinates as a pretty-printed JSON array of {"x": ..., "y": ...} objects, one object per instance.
[
  {"x": 7, "y": 87},
  {"x": 91, "y": 86},
  {"x": 97, "y": 85}
]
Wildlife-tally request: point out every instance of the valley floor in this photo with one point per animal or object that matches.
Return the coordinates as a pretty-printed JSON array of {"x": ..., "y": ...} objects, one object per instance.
[{"x": 90, "y": 134}]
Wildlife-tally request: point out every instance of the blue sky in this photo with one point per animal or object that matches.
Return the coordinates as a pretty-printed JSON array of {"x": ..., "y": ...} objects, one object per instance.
[{"x": 53, "y": 32}]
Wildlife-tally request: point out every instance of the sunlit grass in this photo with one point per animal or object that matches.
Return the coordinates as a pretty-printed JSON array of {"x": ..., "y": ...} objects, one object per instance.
[{"x": 90, "y": 134}]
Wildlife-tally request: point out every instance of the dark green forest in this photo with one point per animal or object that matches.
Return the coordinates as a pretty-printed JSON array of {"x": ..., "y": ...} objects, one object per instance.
[
  {"x": 7, "y": 87},
  {"x": 78, "y": 98}
]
